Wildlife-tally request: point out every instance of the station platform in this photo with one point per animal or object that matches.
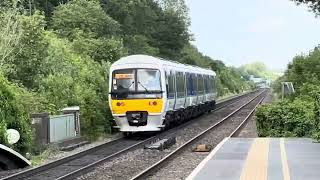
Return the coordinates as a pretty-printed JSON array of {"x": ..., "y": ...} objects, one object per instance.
[{"x": 261, "y": 159}]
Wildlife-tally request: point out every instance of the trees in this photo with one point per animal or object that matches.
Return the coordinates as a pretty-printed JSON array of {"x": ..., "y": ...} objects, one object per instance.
[
  {"x": 29, "y": 54},
  {"x": 83, "y": 15},
  {"x": 313, "y": 4},
  {"x": 297, "y": 115},
  {"x": 89, "y": 28},
  {"x": 10, "y": 34},
  {"x": 57, "y": 53},
  {"x": 13, "y": 115},
  {"x": 148, "y": 27},
  {"x": 304, "y": 69}
]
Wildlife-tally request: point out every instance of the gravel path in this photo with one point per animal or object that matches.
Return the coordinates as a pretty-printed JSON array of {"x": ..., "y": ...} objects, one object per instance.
[{"x": 133, "y": 162}]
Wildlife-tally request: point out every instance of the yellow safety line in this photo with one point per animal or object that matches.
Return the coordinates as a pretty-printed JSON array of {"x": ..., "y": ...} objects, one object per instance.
[
  {"x": 256, "y": 165},
  {"x": 284, "y": 161}
]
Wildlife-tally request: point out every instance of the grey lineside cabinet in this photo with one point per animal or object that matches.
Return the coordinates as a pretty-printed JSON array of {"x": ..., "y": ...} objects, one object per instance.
[{"x": 57, "y": 128}]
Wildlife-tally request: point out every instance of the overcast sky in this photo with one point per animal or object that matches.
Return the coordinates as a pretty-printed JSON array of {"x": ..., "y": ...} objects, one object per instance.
[{"x": 243, "y": 31}]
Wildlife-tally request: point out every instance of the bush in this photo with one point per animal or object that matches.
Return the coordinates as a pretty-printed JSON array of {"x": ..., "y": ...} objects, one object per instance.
[
  {"x": 77, "y": 81},
  {"x": 286, "y": 119},
  {"x": 14, "y": 115}
]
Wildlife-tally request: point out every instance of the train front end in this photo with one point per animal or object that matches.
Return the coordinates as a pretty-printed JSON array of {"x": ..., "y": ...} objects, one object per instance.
[{"x": 136, "y": 97}]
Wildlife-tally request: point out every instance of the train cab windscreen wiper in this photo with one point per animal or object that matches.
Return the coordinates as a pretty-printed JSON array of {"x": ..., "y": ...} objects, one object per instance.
[{"x": 143, "y": 86}]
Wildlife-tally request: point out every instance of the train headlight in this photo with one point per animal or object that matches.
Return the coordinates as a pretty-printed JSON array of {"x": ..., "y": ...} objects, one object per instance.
[
  {"x": 120, "y": 103},
  {"x": 153, "y": 103}
]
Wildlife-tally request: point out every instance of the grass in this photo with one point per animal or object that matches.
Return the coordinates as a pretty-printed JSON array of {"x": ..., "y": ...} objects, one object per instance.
[{"x": 39, "y": 159}]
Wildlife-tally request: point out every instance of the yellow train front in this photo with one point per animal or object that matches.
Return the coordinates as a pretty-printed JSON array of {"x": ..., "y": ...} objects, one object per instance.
[{"x": 146, "y": 93}]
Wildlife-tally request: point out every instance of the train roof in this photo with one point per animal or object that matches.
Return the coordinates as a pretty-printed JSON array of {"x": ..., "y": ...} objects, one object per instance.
[{"x": 146, "y": 59}]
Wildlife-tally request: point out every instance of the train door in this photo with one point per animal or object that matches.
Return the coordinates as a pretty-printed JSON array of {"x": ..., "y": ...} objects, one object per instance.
[
  {"x": 210, "y": 88},
  {"x": 185, "y": 89},
  {"x": 181, "y": 90},
  {"x": 207, "y": 88},
  {"x": 188, "y": 90},
  {"x": 171, "y": 89},
  {"x": 194, "y": 91},
  {"x": 214, "y": 87},
  {"x": 200, "y": 89}
]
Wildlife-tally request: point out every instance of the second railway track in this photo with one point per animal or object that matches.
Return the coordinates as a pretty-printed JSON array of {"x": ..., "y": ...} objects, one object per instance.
[
  {"x": 180, "y": 162},
  {"x": 130, "y": 164},
  {"x": 78, "y": 164}
]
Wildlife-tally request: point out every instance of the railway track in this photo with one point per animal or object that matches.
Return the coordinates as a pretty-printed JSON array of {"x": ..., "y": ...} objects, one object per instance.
[
  {"x": 182, "y": 155},
  {"x": 80, "y": 163}
]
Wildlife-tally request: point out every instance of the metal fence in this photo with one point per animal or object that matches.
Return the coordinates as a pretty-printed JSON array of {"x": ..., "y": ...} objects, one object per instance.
[{"x": 62, "y": 127}]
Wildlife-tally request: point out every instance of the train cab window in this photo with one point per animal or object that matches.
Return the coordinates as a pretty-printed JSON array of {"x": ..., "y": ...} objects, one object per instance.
[
  {"x": 180, "y": 84},
  {"x": 200, "y": 84},
  {"x": 124, "y": 79},
  {"x": 148, "y": 80},
  {"x": 171, "y": 85}
]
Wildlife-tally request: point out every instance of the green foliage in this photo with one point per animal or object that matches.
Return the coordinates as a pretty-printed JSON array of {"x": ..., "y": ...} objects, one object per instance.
[
  {"x": 191, "y": 55},
  {"x": 28, "y": 61},
  {"x": 100, "y": 49},
  {"x": 91, "y": 31},
  {"x": 286, "y": 119},
  {"x": 303, "y": 69},
  {"x": 259, "y": 70},
  {"x": 298, "y": 115},
  {"x": 316, "y": 134},
  {"x": 80, "y": 81},
  {"x": 314, "y": 5},
  {"x": 230, "y": 79},
  {"x": 10, "y": 33},
  {"x": 58, "y": 52},
  {"x": 139, "y": 44},
  {"x": 13, "y": 115},
  {"x": 146, "y": 24},
  {"x": 84, "y": 15}
]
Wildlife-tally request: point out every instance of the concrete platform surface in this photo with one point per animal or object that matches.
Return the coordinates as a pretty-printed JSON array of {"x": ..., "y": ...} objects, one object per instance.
[{"x": 261, "y": 159}]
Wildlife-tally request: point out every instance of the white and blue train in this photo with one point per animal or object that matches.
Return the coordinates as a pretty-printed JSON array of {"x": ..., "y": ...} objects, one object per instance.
[{"x": 149, "y": 93}]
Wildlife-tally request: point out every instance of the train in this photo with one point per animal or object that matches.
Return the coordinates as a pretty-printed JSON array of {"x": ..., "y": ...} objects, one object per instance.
[{"x": 148, "y": 94}]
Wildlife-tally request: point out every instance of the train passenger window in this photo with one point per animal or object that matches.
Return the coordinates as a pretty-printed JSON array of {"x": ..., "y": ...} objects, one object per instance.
[
  {"x": 194, "y": 83},
  {"x": 189, "y": 84},
  {"x": 206, "y": 84},
  {"x": 210, "y": 84},
  {"x": 200, "y": 84},
  {"x": 171, "y": 88},
  {"x": 214, "y": 83},
  {"x": 180, "y": 85}
]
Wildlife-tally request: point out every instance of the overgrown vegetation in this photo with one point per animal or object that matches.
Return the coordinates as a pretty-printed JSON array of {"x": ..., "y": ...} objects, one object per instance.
[
  {"x": 259, "y": 70},
  {"x": 57, "y": 53},
  {"x": 296, "y": 115}
]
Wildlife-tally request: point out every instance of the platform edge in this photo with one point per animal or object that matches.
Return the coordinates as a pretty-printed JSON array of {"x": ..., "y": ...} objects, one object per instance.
[{"x": 204, "y": 162}]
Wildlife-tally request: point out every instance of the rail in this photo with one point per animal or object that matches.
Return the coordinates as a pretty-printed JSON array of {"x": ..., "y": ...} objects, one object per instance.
[
  {"x": 157, "y": 165},
  {"x": 80, "y": 170}
]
